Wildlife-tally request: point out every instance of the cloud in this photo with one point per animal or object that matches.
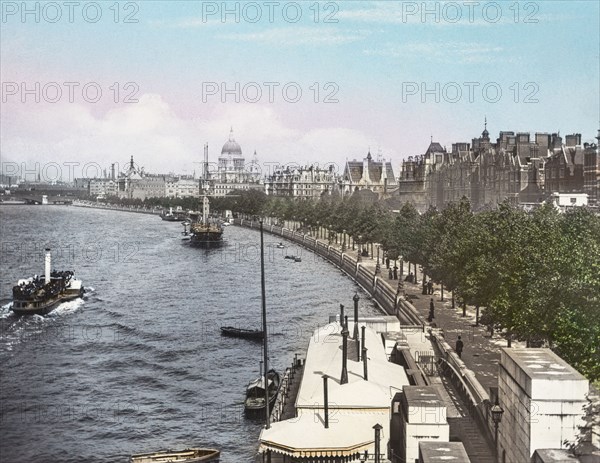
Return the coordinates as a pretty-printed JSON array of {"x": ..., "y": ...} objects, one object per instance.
[
  {"x": 163, "y": 142},
  {"x": 299, "y": 36},
  {"x": 445, "y": 13},
  {"x": 448, "y": 52}
]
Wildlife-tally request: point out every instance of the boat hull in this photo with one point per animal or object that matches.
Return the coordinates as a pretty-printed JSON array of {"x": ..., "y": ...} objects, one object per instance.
[
  {"x": 241, "y": 333},
  {"x": 253, "y": 405},
  {"x": 206, "y": 240},
  {"x": 43, "y": 307},
  {"x": 183, "y": 456}
]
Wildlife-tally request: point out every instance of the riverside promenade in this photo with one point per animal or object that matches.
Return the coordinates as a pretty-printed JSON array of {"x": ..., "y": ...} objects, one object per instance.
[
  {"x": 466, "y": 397},
  {"x": 112, "y": 207}
]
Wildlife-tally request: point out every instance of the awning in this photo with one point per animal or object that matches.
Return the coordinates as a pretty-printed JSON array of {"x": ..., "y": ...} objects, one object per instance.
[{"x": 349, "y": 434}]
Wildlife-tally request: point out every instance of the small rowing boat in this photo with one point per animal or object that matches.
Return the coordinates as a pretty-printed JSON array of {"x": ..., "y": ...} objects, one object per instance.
[
  {"x": 192, "y": 455},
  {"x": 241, "y": 333}
]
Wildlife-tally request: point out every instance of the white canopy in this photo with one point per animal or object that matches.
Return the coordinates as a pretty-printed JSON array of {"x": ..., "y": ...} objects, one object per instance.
[{"x": 349, "y": 433}]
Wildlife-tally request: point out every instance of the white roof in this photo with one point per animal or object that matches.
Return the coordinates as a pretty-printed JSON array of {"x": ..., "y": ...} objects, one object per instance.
[
  {"x": 349, "y": 433},
  {"x": 324, "y": 357}
]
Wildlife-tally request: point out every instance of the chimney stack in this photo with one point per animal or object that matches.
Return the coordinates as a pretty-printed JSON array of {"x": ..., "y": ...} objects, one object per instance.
[
  {"x": 344, "y": 378},
  {"x": 47, "y": 266},
  {"x": 364, "y": 356},
  {"x": 355, "y": 299},
  {"x": 362, "y": 330},
  {"x": 326, "y": 402}
]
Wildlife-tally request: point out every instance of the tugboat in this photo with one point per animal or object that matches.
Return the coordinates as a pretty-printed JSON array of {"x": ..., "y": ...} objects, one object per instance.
[
  {"x": 41, "y": 295},
  {"x": 204, "y": 233}
]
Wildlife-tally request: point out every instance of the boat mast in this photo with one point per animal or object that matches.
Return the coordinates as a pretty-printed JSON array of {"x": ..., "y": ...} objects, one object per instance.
[
  {"x": 205, "y": 210},
  {"x": 264, "y": 323}
]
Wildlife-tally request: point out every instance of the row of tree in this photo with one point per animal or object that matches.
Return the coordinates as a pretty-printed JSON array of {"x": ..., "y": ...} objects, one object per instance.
[{"x": 535, "y": 276}]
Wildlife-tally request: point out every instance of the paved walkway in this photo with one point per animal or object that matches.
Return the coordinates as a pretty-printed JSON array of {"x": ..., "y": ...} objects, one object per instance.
[
  {"x": 481, "y": 352},
  {"x": 479, "y": 355}
]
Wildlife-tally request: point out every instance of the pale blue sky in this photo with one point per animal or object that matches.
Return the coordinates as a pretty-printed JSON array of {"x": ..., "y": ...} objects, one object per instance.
[{"x": 369, "y": 53}]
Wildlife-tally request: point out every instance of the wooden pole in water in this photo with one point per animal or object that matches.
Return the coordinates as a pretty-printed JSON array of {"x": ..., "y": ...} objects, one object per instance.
[{"x": 264, "y": 323}]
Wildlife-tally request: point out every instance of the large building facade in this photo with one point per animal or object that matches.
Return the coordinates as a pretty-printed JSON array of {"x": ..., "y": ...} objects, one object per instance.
[
  {"x": 591, "y": 171},
  {"x": 376, "y": 176},
  {"x": 516, "y": 167},
  {"x": 309, "y": 182}
]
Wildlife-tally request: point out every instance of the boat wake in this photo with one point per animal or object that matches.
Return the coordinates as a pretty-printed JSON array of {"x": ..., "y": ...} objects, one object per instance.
[
  {"x": 5, "y": 311},
  {"x": 65, "y": 308},
  {"x": 17, "y": 329}
]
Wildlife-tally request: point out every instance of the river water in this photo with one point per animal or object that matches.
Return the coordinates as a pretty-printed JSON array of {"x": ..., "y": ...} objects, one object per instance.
[{"x": 139, "y": 364}]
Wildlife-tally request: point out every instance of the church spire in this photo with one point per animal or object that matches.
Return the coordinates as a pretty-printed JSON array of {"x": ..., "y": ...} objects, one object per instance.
[
  {"x": 231, "y": 134},
  {"x": 485, "y": 133}
]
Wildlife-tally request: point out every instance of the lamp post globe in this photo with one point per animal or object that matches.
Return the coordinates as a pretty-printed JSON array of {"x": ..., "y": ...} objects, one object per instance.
[{"x": 496, "y": 412}]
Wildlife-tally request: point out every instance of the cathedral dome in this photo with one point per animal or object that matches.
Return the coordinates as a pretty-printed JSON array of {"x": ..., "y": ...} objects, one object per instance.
[{"x": 231, "y": 146}]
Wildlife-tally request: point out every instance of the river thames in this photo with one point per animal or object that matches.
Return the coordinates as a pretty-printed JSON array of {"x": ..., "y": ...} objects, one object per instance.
[{"x": 139, "y": 364}]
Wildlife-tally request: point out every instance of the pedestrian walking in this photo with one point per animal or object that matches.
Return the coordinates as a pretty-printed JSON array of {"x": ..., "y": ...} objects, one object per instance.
[
  {"x": 430, "y": 287},
  {"x": 395, "y": 272},
  {"x": 459, "y": 347},
  {"x": 431, "y": 311},
  {"x": 387, "y": 262}
]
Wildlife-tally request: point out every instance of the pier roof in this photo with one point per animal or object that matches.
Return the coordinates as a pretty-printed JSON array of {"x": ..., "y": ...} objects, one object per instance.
[
  {"x": 349, "y": 433},
  {"x": 324, "y": 357},
  {"x": 354, "y": 408}
]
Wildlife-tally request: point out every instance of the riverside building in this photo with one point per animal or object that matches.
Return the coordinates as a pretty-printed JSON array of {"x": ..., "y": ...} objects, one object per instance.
[{"x": 516, "y": 167}]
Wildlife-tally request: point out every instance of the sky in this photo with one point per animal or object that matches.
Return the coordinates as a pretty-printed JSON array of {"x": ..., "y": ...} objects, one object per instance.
[{"x": 88, "y": 84}]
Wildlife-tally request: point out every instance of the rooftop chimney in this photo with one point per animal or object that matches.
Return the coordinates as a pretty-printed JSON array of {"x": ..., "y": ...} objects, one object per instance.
[
  {"x": 326, "y": 402},
  {"x": 364, "y": 353},
  {"x": 47, "y": 266},
  {"x": 355, "y": 299},
  {"x": 344, "y": 378},
  {"x": 362, "y": 330}
]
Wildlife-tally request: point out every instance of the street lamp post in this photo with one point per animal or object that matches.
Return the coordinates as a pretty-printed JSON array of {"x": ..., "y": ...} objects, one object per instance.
[
  {"x": 356, "y": 298},
  {"x": 497, "y": 412}
]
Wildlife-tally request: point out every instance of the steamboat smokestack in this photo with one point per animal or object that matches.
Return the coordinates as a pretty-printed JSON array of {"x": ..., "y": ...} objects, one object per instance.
[
  {"x": 47, "y": 266},
  {"x": 342, "y": 315}
]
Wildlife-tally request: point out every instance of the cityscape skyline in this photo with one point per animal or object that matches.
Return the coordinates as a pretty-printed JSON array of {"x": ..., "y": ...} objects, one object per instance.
[{"x": 379, "y": 61}]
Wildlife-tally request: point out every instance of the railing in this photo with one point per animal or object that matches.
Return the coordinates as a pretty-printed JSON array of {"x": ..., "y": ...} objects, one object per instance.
[
  {"x": 112, "y": 207},
  {"x": 383, "y": 294},
  {"x": 464, "y": 380},
  {"x": 284, "y": 390}
]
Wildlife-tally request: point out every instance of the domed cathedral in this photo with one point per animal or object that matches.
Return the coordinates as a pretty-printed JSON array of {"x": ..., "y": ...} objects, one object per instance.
[
  {"x": 231, "y": 161},
  {"x": 232, "y": 171}
]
